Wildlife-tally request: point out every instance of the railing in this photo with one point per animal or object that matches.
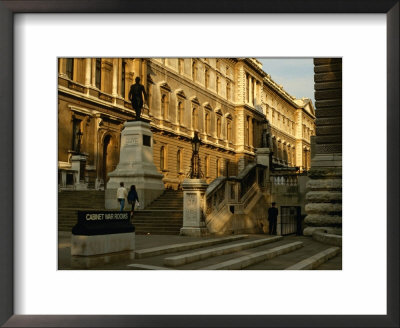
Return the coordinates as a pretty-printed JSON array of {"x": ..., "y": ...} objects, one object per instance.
[{"x": 235, "y": 190}]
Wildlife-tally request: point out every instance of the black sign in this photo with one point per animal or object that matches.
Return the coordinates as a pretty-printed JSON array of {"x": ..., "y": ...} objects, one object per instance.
[
  {"x": 146, "y": 140},
  {"x": 102, "y": 223}
]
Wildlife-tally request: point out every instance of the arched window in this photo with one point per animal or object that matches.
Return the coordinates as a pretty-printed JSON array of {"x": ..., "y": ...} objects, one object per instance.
[
  {"x": 218, "y": 127},
  {"x": 162, "y": 158},
  {"x": 179, "y": 161},
  {"x": 207, "y": 78}
]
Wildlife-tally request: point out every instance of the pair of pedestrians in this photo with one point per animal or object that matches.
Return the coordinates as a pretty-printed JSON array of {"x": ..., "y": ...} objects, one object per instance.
[{"x": 132, "y": 197}]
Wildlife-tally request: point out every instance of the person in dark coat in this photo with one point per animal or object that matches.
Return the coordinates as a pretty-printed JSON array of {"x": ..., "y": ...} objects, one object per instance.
[
  {"x": 132, "y": 198},
  {"x": 136, "y": 94},
  {"x": 272, "y": 219}
]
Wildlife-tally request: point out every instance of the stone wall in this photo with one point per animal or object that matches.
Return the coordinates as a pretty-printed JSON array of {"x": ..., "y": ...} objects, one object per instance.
[{"x": 324, "y": 208}]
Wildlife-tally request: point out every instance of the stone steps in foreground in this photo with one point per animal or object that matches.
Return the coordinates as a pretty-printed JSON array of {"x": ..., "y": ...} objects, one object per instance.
[
  {"x": 178, "y": 260},
  {"x": 155, "y": 251},
  {"x": 316, "y": 260},
  {"x": 247, "y": 260}
]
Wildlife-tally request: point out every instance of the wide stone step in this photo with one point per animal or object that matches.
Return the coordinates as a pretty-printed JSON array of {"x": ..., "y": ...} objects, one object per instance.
[
  {"x": 155, "y": 251},
  {"x": 245, "y": 261},
  {"x": 217, "y": 251},
  {"x": 316, "y": 260},
  {"x": 160, "y": 222},
  {"x": 159, "y": 231}
]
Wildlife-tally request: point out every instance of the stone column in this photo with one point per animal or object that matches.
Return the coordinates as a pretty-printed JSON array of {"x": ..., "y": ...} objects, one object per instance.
[
  {"x": 324, "y": 208},
  {"x": 194, "y": 207},
  {"x": 88, "y": 70},
  {"x": 93, "y": 82},
  {"x": 115, "y": 78},
  {"x": 250, "y": 90}
]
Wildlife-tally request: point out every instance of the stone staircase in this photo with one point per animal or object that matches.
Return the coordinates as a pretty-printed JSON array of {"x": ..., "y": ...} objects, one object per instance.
[
  {"x": 240, "y": 252},
  {"x": 164, "y": 216},
  {"x": 69, "y": 202}
]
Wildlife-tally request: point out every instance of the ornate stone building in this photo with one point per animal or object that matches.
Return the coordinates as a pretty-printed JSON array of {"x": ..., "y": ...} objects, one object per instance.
[{"x": 225, "y": 99}]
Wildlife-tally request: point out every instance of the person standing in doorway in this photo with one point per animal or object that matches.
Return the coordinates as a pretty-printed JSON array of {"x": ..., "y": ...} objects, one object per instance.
[
  {"x": 272, "y": 219},
  {"x": 133, "y": 198},
  {"x": 121, "y": 195}
]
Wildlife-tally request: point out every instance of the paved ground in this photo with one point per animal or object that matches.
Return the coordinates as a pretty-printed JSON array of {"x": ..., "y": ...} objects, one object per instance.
[{"x": 310, "y": 248}]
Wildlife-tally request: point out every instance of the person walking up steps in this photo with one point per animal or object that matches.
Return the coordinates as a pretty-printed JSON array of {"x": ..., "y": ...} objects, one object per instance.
[
  {"x": 132, "y": 199},
  {"x": 121, "y": 195}
]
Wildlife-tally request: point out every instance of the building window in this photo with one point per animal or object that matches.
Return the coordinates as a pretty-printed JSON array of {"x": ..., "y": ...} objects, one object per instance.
[
  {"x": 162, "y": 158},
  {"x": 194, "y": 70},
  {"x": 207, "y": 78},
  {"x": 195, "y": 119},
  {"x": 123, "y": 79},
  {"x": 217, "y": 85},
  {"x": 227, "y": 162},
  {"x": 98, "y": 73},
  {"x": 179, "y": 114},
  {"x": 218, "y": 165},
  {"x": 164, "y": 107},
  {"x": 70, "y": 68},
  {"x": 227, "y": 71},
  {"x": 229, "y": 130},
  {"x": 181, "y": 66},
  {"x": 207, "y": 123},
  {"x": 207, "y": 165},
  {"x": 228, "y": 90},
  {"x": 76, "y": 129},
  {"x": 218, "y": 64},
  {"x": 179, "y": 161},
  {"x": 248, "y": 130},
  {"x": 247, "y": 88},
  {"x": 218, "y": 127}
]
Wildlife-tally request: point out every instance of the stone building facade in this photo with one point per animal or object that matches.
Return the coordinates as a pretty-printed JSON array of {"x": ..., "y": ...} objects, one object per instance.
[{"x": 225, "y": 99}]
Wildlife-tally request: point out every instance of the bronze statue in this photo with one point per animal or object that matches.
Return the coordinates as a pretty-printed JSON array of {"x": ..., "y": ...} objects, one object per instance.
[
  {"x": 135, "y": 96},
  {"x": 266, "y": 135}
]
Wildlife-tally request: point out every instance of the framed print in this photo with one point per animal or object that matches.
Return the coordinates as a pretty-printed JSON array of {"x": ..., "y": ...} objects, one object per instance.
[{"x": 33, "y": 34}]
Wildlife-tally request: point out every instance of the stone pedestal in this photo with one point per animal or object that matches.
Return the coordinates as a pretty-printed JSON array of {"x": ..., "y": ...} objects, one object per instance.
[
  {"x": 193, "y": 208},
  {"x": 78, "y": 164},
  {"x": 136, "y": 166},
  {"x": 263, "y": 156}
]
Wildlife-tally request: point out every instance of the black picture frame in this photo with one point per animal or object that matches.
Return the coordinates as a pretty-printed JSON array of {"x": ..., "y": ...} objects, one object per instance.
[{"x": 7, "y": 11}]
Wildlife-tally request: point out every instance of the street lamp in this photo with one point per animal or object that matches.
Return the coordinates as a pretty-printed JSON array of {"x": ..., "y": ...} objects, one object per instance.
[
  {"x": 195, "y": 171},
  {"x": 196, "y": 143}
]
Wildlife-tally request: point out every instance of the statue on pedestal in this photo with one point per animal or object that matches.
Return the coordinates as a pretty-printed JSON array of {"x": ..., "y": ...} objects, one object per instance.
[
  {"x": 136, "y": 94},
  {"x": 266, "y": 135}
]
